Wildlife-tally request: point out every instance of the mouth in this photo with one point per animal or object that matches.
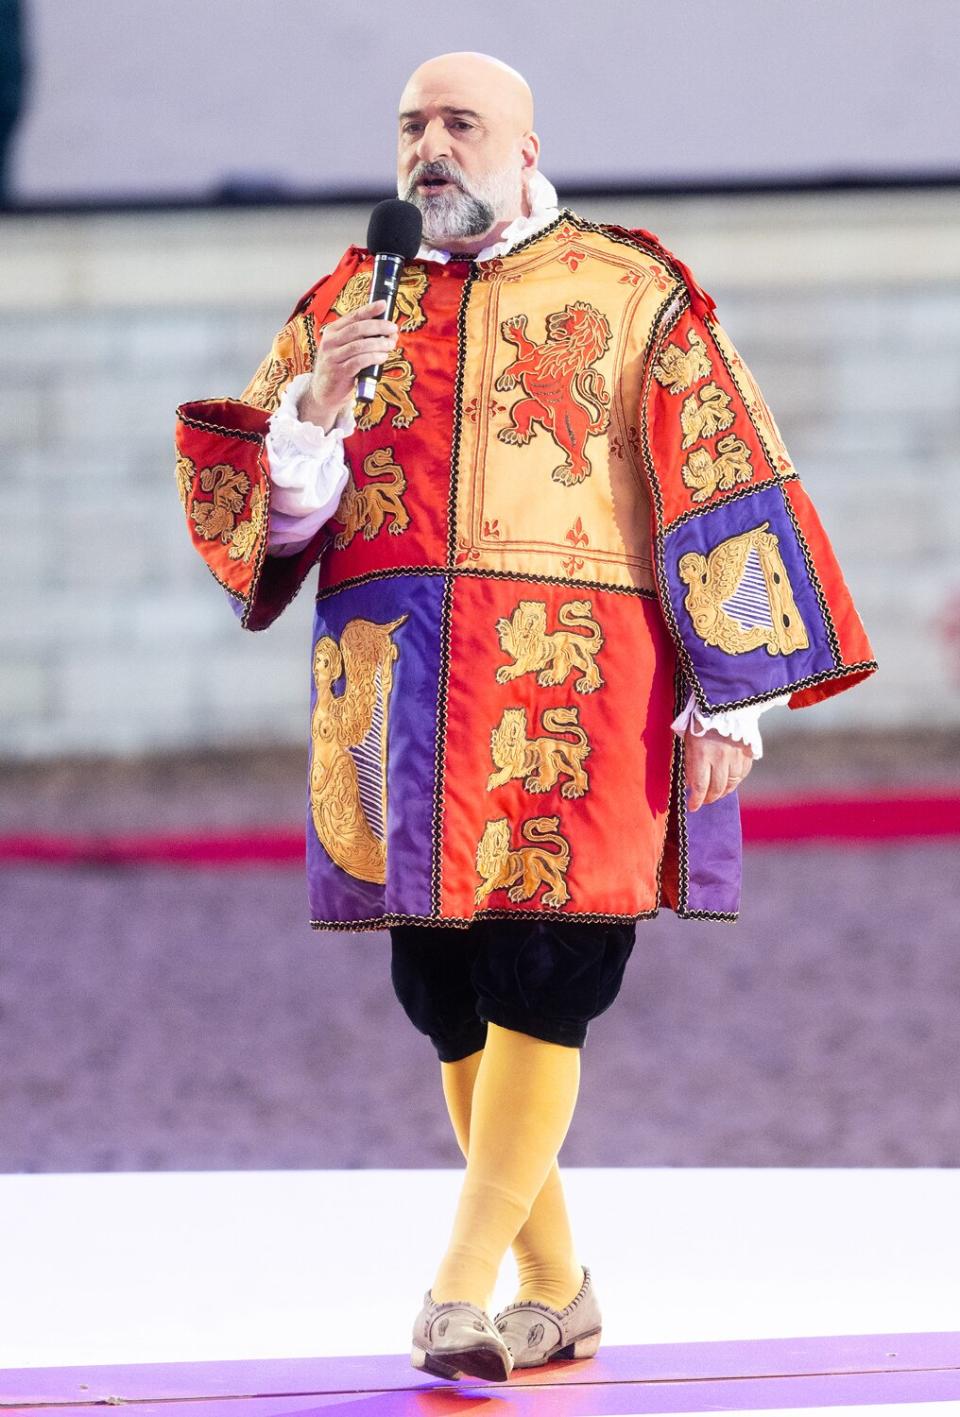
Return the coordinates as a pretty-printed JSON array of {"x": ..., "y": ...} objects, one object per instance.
[{"x": 432, "y": 186}]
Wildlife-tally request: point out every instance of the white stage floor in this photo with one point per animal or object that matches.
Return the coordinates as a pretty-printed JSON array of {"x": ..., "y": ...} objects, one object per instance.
[{"x": 128, "y": 1268}]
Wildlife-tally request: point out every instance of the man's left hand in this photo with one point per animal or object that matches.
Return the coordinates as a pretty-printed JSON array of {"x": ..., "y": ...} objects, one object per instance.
[{"x": 714, "y": 766}]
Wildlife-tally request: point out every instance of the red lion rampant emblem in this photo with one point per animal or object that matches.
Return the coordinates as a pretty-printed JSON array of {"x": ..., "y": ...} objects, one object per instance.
[{"x": 563, "y": 393}]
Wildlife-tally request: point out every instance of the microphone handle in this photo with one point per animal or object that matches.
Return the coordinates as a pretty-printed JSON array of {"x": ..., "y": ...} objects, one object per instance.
[{"x": 386, "y": 278}]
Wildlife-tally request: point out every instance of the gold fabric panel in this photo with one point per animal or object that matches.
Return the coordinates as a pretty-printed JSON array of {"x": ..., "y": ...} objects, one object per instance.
[{"x": 550, "y": 480}]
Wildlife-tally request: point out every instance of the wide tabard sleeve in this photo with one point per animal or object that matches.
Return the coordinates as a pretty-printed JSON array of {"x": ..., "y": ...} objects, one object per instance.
[
  {"x": 748, "y": 581},
  {"x": 223, "y": 475}
]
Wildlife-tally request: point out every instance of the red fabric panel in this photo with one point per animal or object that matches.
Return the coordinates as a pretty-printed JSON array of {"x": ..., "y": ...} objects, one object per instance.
[{"x": 615, "y": 830}]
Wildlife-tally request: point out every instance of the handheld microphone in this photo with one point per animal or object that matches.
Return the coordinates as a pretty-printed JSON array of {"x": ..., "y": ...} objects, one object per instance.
[{"x": 393, "y": 235}]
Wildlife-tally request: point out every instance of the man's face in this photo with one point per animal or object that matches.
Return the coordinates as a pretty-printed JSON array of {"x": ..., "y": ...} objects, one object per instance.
[{"x": 460, "y": 156}]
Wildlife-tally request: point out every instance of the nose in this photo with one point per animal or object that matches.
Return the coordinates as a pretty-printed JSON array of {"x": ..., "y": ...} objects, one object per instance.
[{"x": 434, "y": 141}]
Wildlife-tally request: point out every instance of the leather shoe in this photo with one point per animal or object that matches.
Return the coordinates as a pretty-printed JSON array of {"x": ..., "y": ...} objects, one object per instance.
[
  {"x": 456, "y": 1337},
  {"x": 535, "y": 1333}
]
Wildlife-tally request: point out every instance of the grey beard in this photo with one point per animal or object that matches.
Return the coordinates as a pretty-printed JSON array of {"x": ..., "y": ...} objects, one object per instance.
[{"x": 453, "y": 216}]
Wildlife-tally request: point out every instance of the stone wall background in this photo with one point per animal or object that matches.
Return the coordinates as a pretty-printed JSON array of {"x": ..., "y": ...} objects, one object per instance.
[{"x": 115, "y": 640}]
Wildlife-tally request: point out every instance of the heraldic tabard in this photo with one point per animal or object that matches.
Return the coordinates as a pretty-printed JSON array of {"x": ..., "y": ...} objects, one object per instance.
[{"x": 568, "y": 505}]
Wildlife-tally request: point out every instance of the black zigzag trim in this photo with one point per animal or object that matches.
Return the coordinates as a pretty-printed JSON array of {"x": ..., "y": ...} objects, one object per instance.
[
  {"x": 457, "y": 431},
  {"x": 708, "y": 915},
  {"x": 753, "y": 422},
  {"x": 832, "y": 636},
  {"x": 866, "y": 666},
  {"x": 203, "y": 426},
  {"x": 667, "y": 319},
  {"x": 440, "y": 749},
  {"x": 639, "y": 592},
  {"x": 623, "y": 236},
  {"x": 740, "y": 495},
  {"x": 383, "y": 922}
]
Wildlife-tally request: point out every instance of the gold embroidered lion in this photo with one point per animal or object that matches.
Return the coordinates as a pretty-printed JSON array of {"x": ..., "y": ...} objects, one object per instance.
[
  {"x": 551, "y": 656},
  {"x": 218, "y": 517},
  {"x": 678, "y": 368},
  {"x": 706, "y": 474},
  {"x": 522, "y": 871},
  {"x": 292, "y": 353},
  {"x": 563, "y": 394},
  {"x": 365, "y": 508},
  {"x": 715, "y": 578},
  {"x": 392, "y": 391},
  {"x": 408, "y": 314},
  {"x": 357, "y": 718},
  {"x": 711, "y": 415},
  {"x": 540, "y": 761}
]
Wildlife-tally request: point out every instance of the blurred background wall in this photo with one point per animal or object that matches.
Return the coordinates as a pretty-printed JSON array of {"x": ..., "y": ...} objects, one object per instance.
[
  {"x": 192, "y": 97},
  {"x": 846, "y": 306},
  {"x": 843, "y": 297},
  {"x": 174, "y": 176}
]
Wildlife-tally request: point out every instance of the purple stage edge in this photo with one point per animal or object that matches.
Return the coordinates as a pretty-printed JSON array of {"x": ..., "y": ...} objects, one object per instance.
[{"x": 924, "y": 1363}]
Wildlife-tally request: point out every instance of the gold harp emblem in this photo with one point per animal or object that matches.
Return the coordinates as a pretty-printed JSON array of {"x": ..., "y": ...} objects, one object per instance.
[
  {"x": 348, "y": 746},
  {"x": 740, "y": 597}
]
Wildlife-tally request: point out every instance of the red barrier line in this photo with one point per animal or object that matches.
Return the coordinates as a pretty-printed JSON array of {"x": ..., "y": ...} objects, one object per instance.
[
  {"x": 279, "y": 846},
  {"x": 862, "y": 818}
]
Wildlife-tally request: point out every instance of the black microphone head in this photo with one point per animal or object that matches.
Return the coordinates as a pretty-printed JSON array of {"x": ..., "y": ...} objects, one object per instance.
[{"x": 395, "y": 229}]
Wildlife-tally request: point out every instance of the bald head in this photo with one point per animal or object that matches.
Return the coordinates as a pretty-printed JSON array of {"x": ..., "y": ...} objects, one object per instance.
[
  {"x": 466, "y": 147},
  {"x": 488, "y": 81}
]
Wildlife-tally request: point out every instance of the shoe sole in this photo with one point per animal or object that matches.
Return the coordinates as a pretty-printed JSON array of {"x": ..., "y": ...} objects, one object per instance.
[
  {"x": 586, "y": 1346},
  {"x": 479, "y": 1362}
]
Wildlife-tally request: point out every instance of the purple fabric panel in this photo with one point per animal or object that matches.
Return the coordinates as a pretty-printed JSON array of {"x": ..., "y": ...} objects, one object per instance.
[
  {"x": 411, "y": 731},
  {"x": 727, "y": 678},
  {"x": 715, "y": 856}
]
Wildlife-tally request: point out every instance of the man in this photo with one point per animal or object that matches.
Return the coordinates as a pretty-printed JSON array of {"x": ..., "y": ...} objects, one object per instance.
[{"x": 566, "y": 524}]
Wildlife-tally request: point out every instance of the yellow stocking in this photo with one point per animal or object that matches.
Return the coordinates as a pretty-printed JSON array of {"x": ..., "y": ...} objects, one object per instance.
[
  {"x": 547, "y": 1266},
  {"x": 511, "y": 1105}
]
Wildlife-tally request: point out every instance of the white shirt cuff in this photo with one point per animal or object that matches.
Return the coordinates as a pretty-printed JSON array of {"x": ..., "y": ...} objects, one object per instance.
[
  {"x": 308, "y": 471},
  {"x": 741, "y": 725}
]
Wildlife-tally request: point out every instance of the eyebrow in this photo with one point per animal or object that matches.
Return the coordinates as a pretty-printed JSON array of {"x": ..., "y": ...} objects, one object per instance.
[{"x": 461, "y": 112}]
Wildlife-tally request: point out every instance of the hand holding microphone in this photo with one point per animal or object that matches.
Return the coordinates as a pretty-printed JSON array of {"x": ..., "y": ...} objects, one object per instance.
[{"x": 358, "y": 344}]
